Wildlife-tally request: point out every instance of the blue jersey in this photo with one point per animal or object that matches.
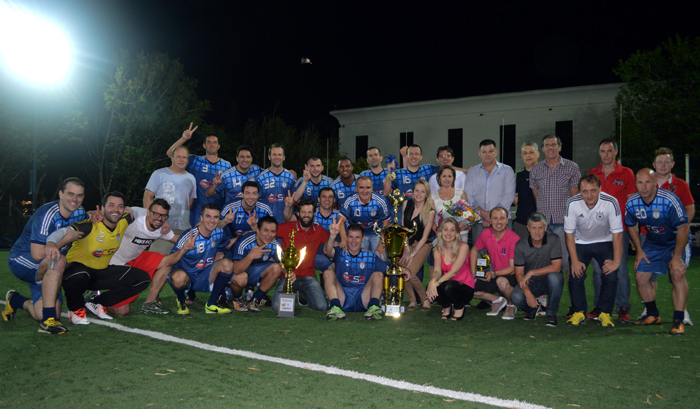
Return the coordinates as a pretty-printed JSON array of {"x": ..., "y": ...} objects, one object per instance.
[
  {"x": 46, "y": 220},
  {"x": 661, "y": 217},
  {"x": 273, "y": 190},
  {"x": 325, "y": 222},
  {"x": 405, "y": 179},
  {"x": 342, "y": 191},
  {"x": 366, "y": 214},
  {"x": 239, "y": 225},
  {"x": 354, "y": 271},
  {"x": 312, "y": 189},
  {"x": 245, "y": 243},
  {"x": 204, "y": 252},
  {"x": 203, "y": 172},
  {"x": 377, "y": 179},
  {"x": 232, "y": 182}
]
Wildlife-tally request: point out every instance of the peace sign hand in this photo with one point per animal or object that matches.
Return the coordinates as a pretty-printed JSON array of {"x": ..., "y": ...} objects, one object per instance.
[
  {"x": 190, "y": 244},
  {"x": 217, "y": 179},
  {"x": 334, "y": 228},
  {"x": 252, "y": 220},
  {"x": 187, "y": 134},
  {"x": 288, "y": 200},
  {"x": 306, "y": 174},
  {"x": 229, "y": 217}
]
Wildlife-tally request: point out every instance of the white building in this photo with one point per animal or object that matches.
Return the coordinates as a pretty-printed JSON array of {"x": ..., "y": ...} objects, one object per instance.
[{"x": 580, "y": 116}]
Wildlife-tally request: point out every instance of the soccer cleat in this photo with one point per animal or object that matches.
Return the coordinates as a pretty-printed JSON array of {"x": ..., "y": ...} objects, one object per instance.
[
  {"x": 216, "y": 309},
  {"x": 52, "y": 326},
  {"x": 509, "y": 313},
  {"x": 686, "y": 318},
  {"x": 265, "y": 302},
  {"x": 496, "y": 307},
  {"x": 239, "y": 305},
  {"x": 223, "y": 302},
  {"x": 98, "y": 310},
  {"x": 374, "y": 313},
  {"x": 335, "y": 314},
  {"x": 551, "y": 321},
  {"x": 530, "y": 316},
  {"x": 648, "y": 320},
  {"x": 624, "y": 315},
  {"x": 677, "y": 328},
  {"x": 542, "y": 299},
  {"x": 154, "y": 308},
  {"x": 593, "y": 315},
  {"x": 253, "y": 306},
  {"x": 605, "y": 321},
  {"x": 579, "y": 318},
  {"x": 78, "y": 317},
  {"x": 8, "y": 314},
  {"x": 182, "y": 308}
]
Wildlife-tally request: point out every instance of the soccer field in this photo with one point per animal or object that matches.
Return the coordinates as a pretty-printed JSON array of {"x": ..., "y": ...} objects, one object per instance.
[{"x": 257, "y": 360}]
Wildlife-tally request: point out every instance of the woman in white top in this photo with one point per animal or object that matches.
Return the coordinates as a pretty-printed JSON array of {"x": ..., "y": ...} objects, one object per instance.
[{"x": 446, "y": 193}]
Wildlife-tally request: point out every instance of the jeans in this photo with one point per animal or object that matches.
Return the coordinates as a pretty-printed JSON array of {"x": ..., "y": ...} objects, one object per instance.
[
  {"x": 307, "y": 287},
  {"x": 558, "y": 229},
  {"x": 577, "y": 288},
  {"x": 370, "y": 242},
  {"x": 552, "y": 285},
  {"x": 622, "y": 295}
]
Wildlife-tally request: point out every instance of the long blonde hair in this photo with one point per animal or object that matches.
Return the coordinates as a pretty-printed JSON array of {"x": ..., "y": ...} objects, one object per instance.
[
  {"x": 428, "y": 205},
  {"x": 458, "y": 237}
]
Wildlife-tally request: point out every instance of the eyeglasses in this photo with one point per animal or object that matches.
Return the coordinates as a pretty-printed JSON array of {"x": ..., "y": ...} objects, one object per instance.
[
  {"x": 446, "y": 156},
  {"x": 159, "y": 215}
]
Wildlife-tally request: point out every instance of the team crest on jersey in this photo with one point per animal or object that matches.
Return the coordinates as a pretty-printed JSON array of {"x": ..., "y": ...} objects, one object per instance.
[
  {"x": 266, "y": 257},
  {"x": 656, "y": 213},
  {"x": 119, "y": 237},
  {"x": 373, "y": 212},
  {"x": 599, "y": 216},
  {"x": 213, "y": 243},
  {"x": 362, "y": 265},
  {"x": 672, "y": 188},
  {"x": 284, "y": 184}
]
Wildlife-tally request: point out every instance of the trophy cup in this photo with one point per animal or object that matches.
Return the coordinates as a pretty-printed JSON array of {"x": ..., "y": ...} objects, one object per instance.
[
  {"x": 481, "y": 263},
  {"x": 290, "y": 258},
  {"x": 394, "y": 237}
]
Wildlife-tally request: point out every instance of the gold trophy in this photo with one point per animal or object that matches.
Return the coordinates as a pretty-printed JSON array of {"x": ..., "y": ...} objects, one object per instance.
[
  {"x": 394, "y": 237},
  {"x": 481, "y": 263},
  {"x": 290, "y": 258}
]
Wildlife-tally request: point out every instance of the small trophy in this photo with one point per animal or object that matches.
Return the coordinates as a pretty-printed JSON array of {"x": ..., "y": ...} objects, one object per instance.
[
  {"x": 482, "y": 263},
  {"x": 290, "y": 258},
  {"x": 394, "y": 238}
]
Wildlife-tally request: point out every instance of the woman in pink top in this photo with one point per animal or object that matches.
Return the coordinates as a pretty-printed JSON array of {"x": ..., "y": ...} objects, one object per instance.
[{"x": 451, "y": 281}]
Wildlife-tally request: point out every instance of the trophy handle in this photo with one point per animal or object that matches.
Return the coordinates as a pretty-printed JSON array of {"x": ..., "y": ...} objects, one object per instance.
[
  {"x": 412, "y": 232},
  {"x": 378, "y": 232}
]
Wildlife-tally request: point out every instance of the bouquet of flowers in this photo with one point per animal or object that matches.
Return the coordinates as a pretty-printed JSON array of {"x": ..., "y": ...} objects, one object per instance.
[{"x": 464, "y": 212}]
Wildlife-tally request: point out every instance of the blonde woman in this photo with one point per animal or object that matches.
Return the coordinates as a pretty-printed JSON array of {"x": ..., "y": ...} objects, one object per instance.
[
  {"x": 451, "y": 282},
  {"x": 418, "y": 210},
  {"x": 446, "y": 193}
]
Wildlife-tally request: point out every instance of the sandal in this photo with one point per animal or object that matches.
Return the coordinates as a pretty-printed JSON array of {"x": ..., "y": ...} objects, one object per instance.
[
  {"x": 425, "y": 306},
  {"x": 458, "y": 318},
  {"x": 411, "y": 306},
  {"x": 446, "y": 315}
]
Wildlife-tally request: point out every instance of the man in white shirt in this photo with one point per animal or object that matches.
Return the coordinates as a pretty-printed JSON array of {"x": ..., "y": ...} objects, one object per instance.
[
  {"x": 593, "y": 229},
  {"x": 446, "y": 156}
]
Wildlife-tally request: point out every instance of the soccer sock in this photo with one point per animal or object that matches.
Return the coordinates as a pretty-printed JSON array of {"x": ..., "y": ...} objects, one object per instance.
[
  {"x": 179, "y": 292},
  {"x": 678, "y": 315},
  {"x": 373, "y": 301},
  {"x": 652, "y": 310},
  {"x": 17, "y": 301},
  {"x": 220, "y": 283},
  {"x": 335, "y": 303},
  {"x": 49, "y": 313},
  {"x": 258, "y": 294}
]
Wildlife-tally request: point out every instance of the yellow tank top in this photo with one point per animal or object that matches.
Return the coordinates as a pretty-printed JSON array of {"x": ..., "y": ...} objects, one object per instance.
[{"x": 96, "y": 249}]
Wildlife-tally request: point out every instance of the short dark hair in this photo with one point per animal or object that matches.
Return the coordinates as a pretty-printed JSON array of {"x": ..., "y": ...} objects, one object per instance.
[
  {"x": 212, "y": 206},
  {"x": 327, "y": 189},
  {"x": 663, "y": 151},
  {"x": 356, "y": 227},
  {"x": 608, "y": 140},
  {"x": 498, "y": 208},
  {"x": 113, "y": 194},
  {"x": 374, "y": 147},
  {"x": 314, "y": 158},
  {"x": 244, "y": 148},
  {"x": 160, "y": 202},
  {"x": 267, "y": 219},
  {"x": 276, "y": 145},
  {"x": 212, "y": 134},
  {"x": 590, "y": 178},
  {"x": 414, "y": 146},
  {"x": 551, "y": 137},
  {"x": 73, "y": 180},
  {"x": 487, "y": 142},
  {"x": 444, "y": 148},
  {"x": 344, "y": 158},
  {"x": 250, "y": 183},
  {"x": 307, "y": 202}
]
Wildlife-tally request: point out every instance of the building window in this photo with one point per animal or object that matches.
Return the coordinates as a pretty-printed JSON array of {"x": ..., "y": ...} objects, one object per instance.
[
  {"x": 405, "y": 139},
  {"x": 361, "y": 145},
  {"x": 565, "y": 131},
  {"x": 456, "y": 142},
  {"x": 507, "y": 148}
]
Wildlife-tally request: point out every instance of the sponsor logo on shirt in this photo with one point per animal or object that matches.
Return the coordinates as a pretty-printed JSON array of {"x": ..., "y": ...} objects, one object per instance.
[
  {"x": 102, "y": 253},
  {"x": 205, "y": 183},
  {"x": 353, "y": 279},
  {"x": 618, "y": 182},
  {"x": 142, "y": 242}
]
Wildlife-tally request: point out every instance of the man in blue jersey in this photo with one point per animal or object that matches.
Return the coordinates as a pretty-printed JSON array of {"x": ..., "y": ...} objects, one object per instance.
[
  {"x": 275, "y": 182},
  {"x": 375, "y": 171},
  {"x": 357, "y": 282},
  {"x": 255, "y": 262},
  {"x": 367, "y": 208},
  {"x": 344, "y": 185},
  {"x": 244, "y": 211},
  {"x": 666, "y": 247},
  {"x": 28, "y": 261},
  {"x": 312, "y": 181},
  {"x": 202, "y": 268},
  {"x": 204, "y": 169},
  {"x": 408, "y": 176},
  {"x": 230, "y": 183}
]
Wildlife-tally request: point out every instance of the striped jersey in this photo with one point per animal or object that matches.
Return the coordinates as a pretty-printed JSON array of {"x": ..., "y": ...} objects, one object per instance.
[
  {"x": 204, "y": 252},
  {"x": 240, "y": 225},
  {"x": 661, "y": 217},
  {"x": 45, "y": 220},
  {"x": 377, "y": 179},
  {"x": 312, "y": 189},
  {"x": 232, "y": 182},
  {"x": 355, "y": 271},
  {"x": 204, "y": 172},
  {"x": 595, "y": 225},
  {"x": 343, "y": 191},
  {"x": 376, "y": 210},
  {"x": 245, "y": 244},
  {"x": 325, "y": 222},
  {"x": 405, "y": 179},
  {"x": 273, "y": 190}
]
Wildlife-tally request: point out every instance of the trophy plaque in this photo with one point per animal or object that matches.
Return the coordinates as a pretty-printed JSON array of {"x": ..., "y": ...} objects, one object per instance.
[
  {"x": 290, "y": 258},
  {"x": 481, "y": 263}
]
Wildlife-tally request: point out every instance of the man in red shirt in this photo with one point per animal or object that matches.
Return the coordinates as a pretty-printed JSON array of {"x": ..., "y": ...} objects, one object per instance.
[
  {"x": 311, "y": 236},
  {"x": 619, "y": 182}
]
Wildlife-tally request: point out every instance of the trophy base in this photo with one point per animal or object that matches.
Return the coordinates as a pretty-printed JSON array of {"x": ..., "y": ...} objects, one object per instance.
[
  {"x": 393, "y": 310},
  {"x": 286, "y": 308}
]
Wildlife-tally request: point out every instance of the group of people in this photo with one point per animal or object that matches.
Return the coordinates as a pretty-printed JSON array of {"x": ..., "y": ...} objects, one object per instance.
[{"x": 209, "y": 227}]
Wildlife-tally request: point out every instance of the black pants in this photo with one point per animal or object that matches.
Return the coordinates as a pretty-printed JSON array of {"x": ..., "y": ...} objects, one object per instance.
[
  {"x": 123, "y": 282},
  {"x": 453, "y": 292}
]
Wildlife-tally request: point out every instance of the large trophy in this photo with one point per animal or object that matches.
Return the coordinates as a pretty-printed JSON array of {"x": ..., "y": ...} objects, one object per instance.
[
  {"x": 290, "y": 258},
  {"x": 394, "y": 237}
]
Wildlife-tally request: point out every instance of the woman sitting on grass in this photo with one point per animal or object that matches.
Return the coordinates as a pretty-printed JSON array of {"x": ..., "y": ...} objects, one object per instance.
[
  {"x": 419, "y": 210},
  {"x": 451, "y": 282}
]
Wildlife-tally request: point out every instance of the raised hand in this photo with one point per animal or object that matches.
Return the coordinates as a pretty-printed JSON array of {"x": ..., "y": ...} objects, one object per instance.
[
  {"x": 334, "y": 227},
  {"x": 252, "y": 220},
  {"x": 217, "y": 179},
  {"x": 306, "y": 175},
  {"x": 229, "y": 217},
  {"x": 288, "y": 200},
  {"x": 96, "y": 215},
  {"x": 190, "y": 244},
  {"x": 257, "y": 252},
  {"x": 165, "y": 228},
  {"x": 187, "y": 134}
]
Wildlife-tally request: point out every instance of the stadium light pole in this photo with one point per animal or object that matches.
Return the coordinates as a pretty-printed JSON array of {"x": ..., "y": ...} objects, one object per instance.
[{"x": 35, "y": 51}]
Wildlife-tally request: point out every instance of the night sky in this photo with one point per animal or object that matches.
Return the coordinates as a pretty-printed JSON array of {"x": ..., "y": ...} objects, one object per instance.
[{"x": 247, "y": 55}]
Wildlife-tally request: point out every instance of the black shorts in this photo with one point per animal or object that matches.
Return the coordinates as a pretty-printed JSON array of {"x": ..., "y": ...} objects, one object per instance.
[{"x": 491, "y": 286}]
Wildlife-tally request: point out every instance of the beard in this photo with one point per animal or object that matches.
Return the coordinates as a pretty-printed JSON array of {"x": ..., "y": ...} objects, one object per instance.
[{"x": 306, "y": 222}]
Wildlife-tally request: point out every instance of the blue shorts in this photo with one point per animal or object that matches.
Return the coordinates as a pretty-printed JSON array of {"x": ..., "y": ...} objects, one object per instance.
[
  {"x": 353, "y": 299},
  {"x": 659, "y": 257},
  {"x": 199, "y": 281},
  {"x": 255, "y": 271},
  {"x": 24, "y": 267}
]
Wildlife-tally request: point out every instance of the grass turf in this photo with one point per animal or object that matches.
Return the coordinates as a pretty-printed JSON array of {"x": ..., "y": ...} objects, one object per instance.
[{"x": 563, "y": 367}]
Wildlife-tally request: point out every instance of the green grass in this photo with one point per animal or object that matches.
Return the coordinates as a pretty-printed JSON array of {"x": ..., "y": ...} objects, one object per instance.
[{"x": 563, "y": 367}]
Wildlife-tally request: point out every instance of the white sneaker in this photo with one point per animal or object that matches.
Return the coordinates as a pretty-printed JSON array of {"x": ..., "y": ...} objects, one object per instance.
[
  {"x": 497, "y": 306},
  {"x": 542, "y": 299},
  {"x": 78, "y": 317},
  {"x": 686, "y": 318},
  {"x": 98, "y": 310},
  {"x": 509, "y": 313}
]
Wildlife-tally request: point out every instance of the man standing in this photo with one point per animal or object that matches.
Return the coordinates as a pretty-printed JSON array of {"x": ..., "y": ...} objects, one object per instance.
[
  {"x": 553, "y": 181},
  {"x": 593, "y": 229},
  {"x": 366, "y": 208},
  {"x": 204, "y": 169},
  {"x": 666, "y": 247},
  {"x": 28, "y": 261},
  {"x": 524, "y": 198},
  {"x": 537, "y": 262},
  {"x": 245, "y": 211},
  {"x": 230, "y": 183},
  {"x": 344, "y": 185},
  {"x": 312, "y": 181},
  {"x": 408, "y": 176},
  {"x": 446, "y": 156},
  {"x": 375, "y": 171},
  {"x": 617, "y": 181},
  {"x": 488, "y": 185},
  {"x": 275, "y": 182},
  {"x": 663, "y": 164}
]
